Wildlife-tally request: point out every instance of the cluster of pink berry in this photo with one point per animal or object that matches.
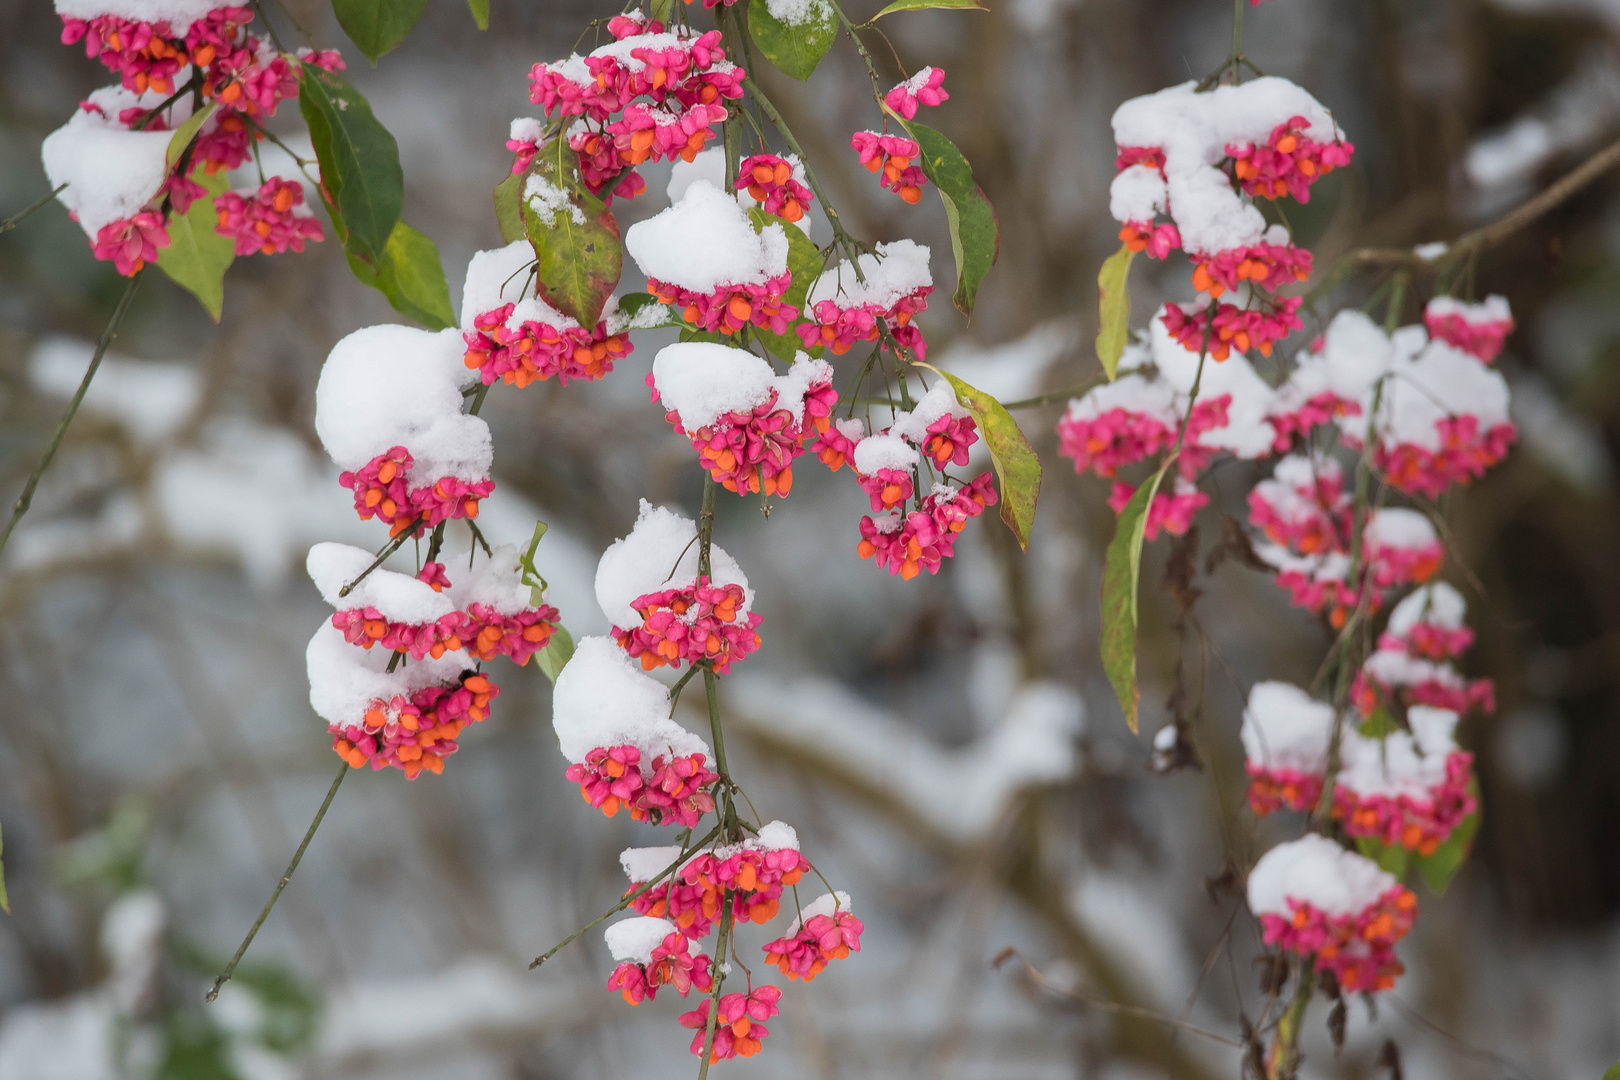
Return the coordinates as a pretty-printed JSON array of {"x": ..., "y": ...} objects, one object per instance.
[{"x": 241, "y": 76}]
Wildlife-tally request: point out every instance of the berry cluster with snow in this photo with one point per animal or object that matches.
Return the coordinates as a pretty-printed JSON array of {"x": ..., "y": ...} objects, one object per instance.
[{"x": 119, "y": 175}]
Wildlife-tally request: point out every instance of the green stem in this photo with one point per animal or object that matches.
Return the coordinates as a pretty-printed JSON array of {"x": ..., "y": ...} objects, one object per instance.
[
  {"x": 629, "y": 898},
  {"x": 860, "y": 47},
  {"x": 16, "y": 219},
  {"x": 1282, "y": 1062},
  {"x": 1053, "y": 396},
  {"x": 26, "y": 499},
  {"x": 241, "y": 950}
]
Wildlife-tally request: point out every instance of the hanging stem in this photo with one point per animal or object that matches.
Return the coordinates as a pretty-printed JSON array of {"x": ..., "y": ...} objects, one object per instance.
[
  {"x": 230, "y": 968},
  {"x": 719, "y": 980},
  {"x": 1283, "y": 1060},
  {"x": 26, "y": 499}
]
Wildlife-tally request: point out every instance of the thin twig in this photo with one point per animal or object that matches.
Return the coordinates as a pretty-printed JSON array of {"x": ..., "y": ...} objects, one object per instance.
[
  {"x": 16, "y": 219},
  {"x": 1052, "y": 396},
  {"x": 392, "y": 546},
  {"x": 241, "y": 950},
  {"x": 27, "y": 498}
]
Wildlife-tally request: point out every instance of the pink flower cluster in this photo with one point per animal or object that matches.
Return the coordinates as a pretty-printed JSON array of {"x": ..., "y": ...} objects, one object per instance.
[
  {"x": 534, "y": 351},
  {"x": 769, "y": 181},
  {"x": 1116, "y": 437},
  {"x": 1464, "y": 454},
  {"x": 754, "y": 451},
  {"x": 675, "y": 791},
  {"x": 672, "y": 965},
  {"x": 1419, "y": 824},
  {"x": 414, "y": 732},
  {"x": 481, "y": 630},
  {"x": 700, "y": 622},
  {"x": 738, "y": 1028},
  {"x": 682, "y": 77},
  {"x": 805, "y": 953},
  {"x": 1157, "y": 240},
  {"x": 907, "y": 544},
  {"x": 927, "y": 87},
  {"x": 1231, "y": 327},
  {"x": 1358, "y": 948},
  {"x": 1479, "y": 329},
  {"x": 269, "y": 221},
  {"x": 839, "y": 328},
  {"x": 1270, "y": 266},
  {"x": 132, "y": 243},
  {"x": 731, "y": 307},
  {"x": 1288, "y": 163},
  {"x": 382, "y": 489},
  {"x": 1274, "y": 789},
  {"x": 892, "y": 157}
]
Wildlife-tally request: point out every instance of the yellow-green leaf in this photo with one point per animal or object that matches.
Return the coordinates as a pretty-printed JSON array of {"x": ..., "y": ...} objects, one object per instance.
[
  {"x": 558, "y": 651},
  {"x": 197, "y": 256},
  {"x": 1121, "y": 570},
  {"x": 574, "y": 235},
  {"x": 795, "y": 48},
  {"x": 181, "y": 139},
  {"x": 922, "y": 5},
  {"x": 1391, "y": 858},
  {"x": 1114, "y": 301},
  {"x": 975, "y": 234},
  {"x": 1017, "y": 467},
  {"x": 508, "y": 200},
  {"x": 1441, "y": 865},
  {"x": 5, "y": 904},
  {"x": 480, "y": 12}
]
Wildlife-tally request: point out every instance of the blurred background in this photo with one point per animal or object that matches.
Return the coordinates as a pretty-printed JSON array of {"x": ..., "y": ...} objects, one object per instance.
[{"x": 947, "y": 747}]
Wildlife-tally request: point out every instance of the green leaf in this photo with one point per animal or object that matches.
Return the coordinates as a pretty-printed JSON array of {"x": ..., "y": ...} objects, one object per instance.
[
  {"x": 1613, "y": 1072},
  {"x": 633, "y": 306},
  {"x": 412, "y": 277},
  {"x": 975, "y": 235},
  {"x": 197, "y": 256},
  {"x": 805, "y": 264},
  {"x": 508, "y": 207},
  {"x": 558, "y": 651},
  {"x": 1390, "y": 858},
  {"x": 531, "y": 577},
  {"x": 1121, "y": 569},
  {"x": 795, "y": 48},
  {"x": 578, "y": 248},
  {"x": 381, "y": 26},
  {"x": 1441, "y": 865},
  {"x": 361, "y": 181},
  {"x": 181, "y": 139},
  {"x": 922, "y": 5},
  {"x": 1114, "y": 298},
  {"x": 480, "y": 12},
  {"x": 1017, "y": 467},
  {"x": 5, "y": 904}
]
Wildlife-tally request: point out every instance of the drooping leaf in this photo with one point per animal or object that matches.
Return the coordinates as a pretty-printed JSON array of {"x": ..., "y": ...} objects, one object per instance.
[
  {"x": 1391, "y": 858},
  {"x": 1612, "y": 1072},
  {"x": 5, "y": 904},
  {"x": 480, "y": 12},
  {"x": 197, "y": 256},
  {"x": 795, "y": 48},
  {"x": 530, "y": 576},
  {"x": 574, "y": 235},
  {"x": 1114, "y": 300},
  {"x": 508, "y": 202},
  {"x": 975, "y": 235},
  {"x": 922, "y": 5},
  {"x": 411, "y": 276},
  {"x": 1441, "y": 865},
  {"x": 1017, "y": 467},
  {"x": 181, "y": 139},
  {"x": 362, "y": 182},
  {"x": 1121, "y": 569},
  {"x": 805, "y": 264},
  {"x": 381, "y": 26},
  {"x": 558, "y": 651}
]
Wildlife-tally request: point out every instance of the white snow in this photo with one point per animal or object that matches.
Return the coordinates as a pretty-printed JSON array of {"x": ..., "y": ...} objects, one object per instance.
[
  {"x": 1437, "y": 604},
  {"x": 884, "y": 452},
  {"x": 1401, "y": 763},
  {"x": 1286, "y": 728},
  {"x": 660, "y": 553},
  {"x": 896, "y": 270},
  {"x": 1134, "y": 393},
  {"x": 828, "y": 904},
  {"x": 1316, "y": 871},
  {"x": 604, "y": 699},
  {"x": 179, "y": 14},
  {"x": 777, "y": 836},
  {"x": 1493, "y": 309},
  {"x": 1440, "y": 383},
  {"x": 546, "y": 200},
  {"x": 704, "y": 380},
  {"x": 1398, "y": 528},
  {"x": 1355, "y": 353},
  {"x": 111, "y": 172},
  {"x": 1247, "y": 432},
  {"x": 801, "y": 12},
  {"x": 398, "y": 597},
  {"x": 634, "y": 940},
  {"x": 938, "y": 402},
  {"x": 1193, "y": 130},
  {"x": 1137, "y": 194},
  {"x": 497, "y": 581},
  {"x": 642, "y": 864},
  {"x": 387, "y": 386},
  {"x": 498, "y": 277},
  {"x": 705, "y": 241}
]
